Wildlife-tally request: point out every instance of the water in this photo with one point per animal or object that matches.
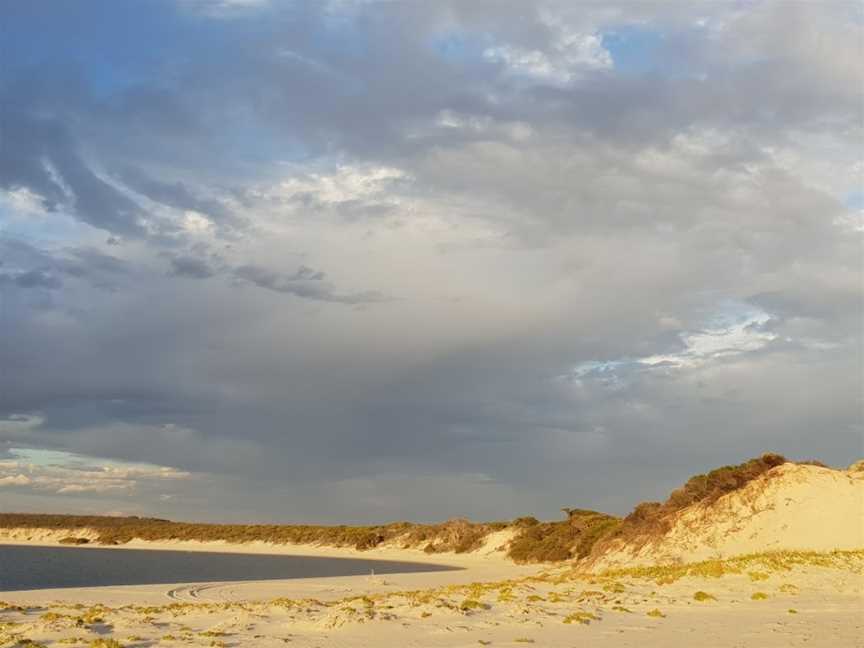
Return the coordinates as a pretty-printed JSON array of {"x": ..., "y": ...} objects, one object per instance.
[{"x": 27, "y": 568}]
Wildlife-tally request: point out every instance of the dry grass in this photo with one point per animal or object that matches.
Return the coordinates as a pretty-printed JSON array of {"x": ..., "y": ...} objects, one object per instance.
[{"x": 770, "y": 562}]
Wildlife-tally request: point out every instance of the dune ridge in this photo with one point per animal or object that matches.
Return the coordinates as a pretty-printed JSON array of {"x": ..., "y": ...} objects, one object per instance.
[
  {"x": 767, "y": 553},
  {"x": 765, "y": 504},
  {"x": 790, "y": 507}
]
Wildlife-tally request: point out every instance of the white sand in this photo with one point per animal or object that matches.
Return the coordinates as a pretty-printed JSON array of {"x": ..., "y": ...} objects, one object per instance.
[{"x": 806, "y": 606}]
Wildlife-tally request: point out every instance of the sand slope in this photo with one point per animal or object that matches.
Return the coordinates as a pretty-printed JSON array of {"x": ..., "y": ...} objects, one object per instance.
[{"x": 790, "y": 507}]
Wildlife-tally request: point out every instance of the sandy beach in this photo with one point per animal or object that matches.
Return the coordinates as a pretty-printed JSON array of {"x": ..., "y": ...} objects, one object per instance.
[
  {"x": 753, "y": 584},
  {"x": 775, "y": 600}
]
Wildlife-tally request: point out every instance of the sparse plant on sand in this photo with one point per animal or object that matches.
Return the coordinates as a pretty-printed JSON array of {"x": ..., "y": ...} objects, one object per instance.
[
  {"x": 582, "y": 618},
  {"x": 103, "y": 642}
]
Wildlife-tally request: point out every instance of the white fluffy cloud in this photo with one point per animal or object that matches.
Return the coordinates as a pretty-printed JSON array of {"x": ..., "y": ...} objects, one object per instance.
[{"x": 64, "y": 473}]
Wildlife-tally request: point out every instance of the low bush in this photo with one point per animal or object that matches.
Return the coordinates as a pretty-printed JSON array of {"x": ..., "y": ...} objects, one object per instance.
[
  {"x": 71, "y": 540},
  {"x": 557, "y": 541}
]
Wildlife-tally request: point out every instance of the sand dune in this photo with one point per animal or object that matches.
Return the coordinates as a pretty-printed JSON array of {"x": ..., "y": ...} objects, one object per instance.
[
  {"x": 777, "y": 562},
  {"x": 791, "y": 507}
]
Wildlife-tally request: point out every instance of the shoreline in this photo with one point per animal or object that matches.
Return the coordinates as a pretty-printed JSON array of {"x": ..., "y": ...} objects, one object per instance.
[
  {"x": 759, "y": 603},
  {"x": 478, "y": 566}
]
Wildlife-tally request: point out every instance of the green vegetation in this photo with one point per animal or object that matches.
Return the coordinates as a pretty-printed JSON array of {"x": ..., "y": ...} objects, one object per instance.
[
  {"x": 757, "y": 576},
  {"x": 653, "y": 519},
  {"x": 535, "y": 541},
  {"x": 454, "y": 535},
  {"x": 582, "y": 618},
  {"x": 556, "y": 541},
  {"x": 704, "y": 596},
  {"x": 759, "y": 596},
  {"x": 583, "y": 534},
  {"x": 471, "y": 604},
  {"x": 105, "y": 643},
  {"x": 73, "y": 540},
  {"x": 779, "y": 561}
]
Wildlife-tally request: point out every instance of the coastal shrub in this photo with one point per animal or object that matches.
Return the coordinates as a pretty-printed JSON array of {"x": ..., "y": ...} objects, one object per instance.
[
  {"x": 525, "y": 522},
  {"x": 458, "y": 535},
  {"x": 653, "y": 519},
  {"x": 713, "y": 485},
  {"x": 454, "y": 535},
  {"x": 564, "y": 540},
  {"x": 471, "y": 604}
]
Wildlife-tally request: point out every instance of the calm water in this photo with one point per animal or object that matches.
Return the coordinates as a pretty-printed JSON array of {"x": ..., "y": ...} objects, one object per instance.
[{"x": 25, "y": 568}]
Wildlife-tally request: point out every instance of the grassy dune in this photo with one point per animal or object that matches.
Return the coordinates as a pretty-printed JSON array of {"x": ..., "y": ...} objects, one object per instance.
[{"x": 584, "y": 534}]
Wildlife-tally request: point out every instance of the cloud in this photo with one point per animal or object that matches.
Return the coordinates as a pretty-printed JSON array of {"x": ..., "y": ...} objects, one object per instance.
[
  {"x": 192, "y": 267},
  {"x": 589, "y": 251},
  {"x": 306, "y": 283},
  {"x": 569, "y": 57},
  {"x": 16, "y": 424},
  {"x": 40, "y": 156},
  {"x": 65, "y": 473},
  {"x": 743, "y": 331},
  {"x": 25, "y": 266},
  {"x": 32, "y": 279},
  {"x": 175, "y": 194}
]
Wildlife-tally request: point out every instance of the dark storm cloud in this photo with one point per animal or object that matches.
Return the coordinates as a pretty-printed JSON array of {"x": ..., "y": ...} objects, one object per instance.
[
  {"x": 27, "y": 266},
  {"x": 40, "y": 155},
  {"x": 604, "y": 279},
  {"x": 32, "y": 279},
  {"x": 174, "y": 194},
  {"x": 195, "y": 268},
  {"x": 306, "y": 283}
]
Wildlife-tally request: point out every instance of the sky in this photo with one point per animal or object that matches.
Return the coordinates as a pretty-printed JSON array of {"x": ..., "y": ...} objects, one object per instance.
[{"x": 361, "y": 261}]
